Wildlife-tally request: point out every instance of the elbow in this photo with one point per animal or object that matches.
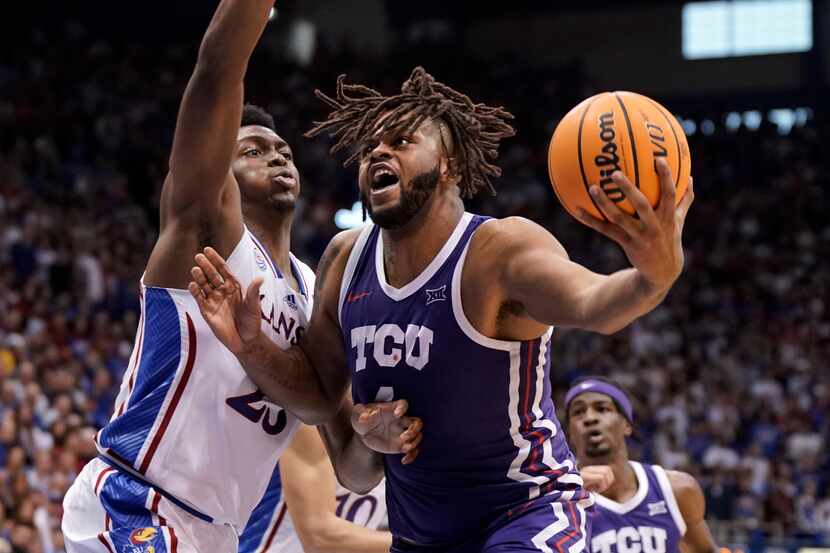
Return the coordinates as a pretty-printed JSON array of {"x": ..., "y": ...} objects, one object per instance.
[
  {"x": 607, "y": 328},
  {"x": 360, "y": 484},
  {"x": 317, "y": 536},
  {"x": 361, "y": 487}
]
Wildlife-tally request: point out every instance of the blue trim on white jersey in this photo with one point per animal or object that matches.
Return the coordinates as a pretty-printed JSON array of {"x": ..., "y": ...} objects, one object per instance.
[
  {"x": 260, "y": 521},
  {"x": 160, "y": 359},
  {"x": 298, "y": 276},
  {"x": 133, "y": 476},
  {"x": 125, "y": 500}
]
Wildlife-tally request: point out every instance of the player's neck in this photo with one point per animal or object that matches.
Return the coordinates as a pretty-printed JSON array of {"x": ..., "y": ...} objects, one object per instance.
[
  {"x": 274, "y": 232},
  {"x": 407, "y": 251},
  {"x": 625, "y": 481}
]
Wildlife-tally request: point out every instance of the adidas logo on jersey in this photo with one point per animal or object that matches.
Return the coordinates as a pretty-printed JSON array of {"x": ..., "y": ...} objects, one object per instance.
[{"x": 290, "y": 301}]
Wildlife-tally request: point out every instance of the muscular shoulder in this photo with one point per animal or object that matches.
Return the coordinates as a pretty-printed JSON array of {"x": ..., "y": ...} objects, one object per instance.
[
  {"x": 338, "y": 250},
  {"x": 501, "y": 240},
  {"x": 344, "y": 241},
  {"x": 688, "y": 493},
  {"x": 332, "y": 264}
]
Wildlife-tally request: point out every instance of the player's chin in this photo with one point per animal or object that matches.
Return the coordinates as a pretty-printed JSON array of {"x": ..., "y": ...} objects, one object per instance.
[
  {"x": 598, "y": 453},
  {"x": 283, "y": 201}
]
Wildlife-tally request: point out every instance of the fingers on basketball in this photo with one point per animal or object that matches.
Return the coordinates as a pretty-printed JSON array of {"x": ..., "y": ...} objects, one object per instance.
[
  {"x": 610, "y": 230},
  {"x": 668, "y": 193},
  {"x": 641, "y": 204}
]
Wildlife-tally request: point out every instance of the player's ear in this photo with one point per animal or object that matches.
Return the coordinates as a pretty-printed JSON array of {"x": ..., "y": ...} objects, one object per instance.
[
  {"x": 628, "y": 430},
  {"x": 448, "y": 169}
]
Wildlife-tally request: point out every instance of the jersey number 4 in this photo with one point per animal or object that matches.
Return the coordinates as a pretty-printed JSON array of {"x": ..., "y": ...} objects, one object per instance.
[{"x": 244, "y": 405}]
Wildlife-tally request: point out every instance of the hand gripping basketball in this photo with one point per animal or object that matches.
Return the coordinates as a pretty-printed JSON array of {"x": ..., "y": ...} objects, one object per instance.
[{"x": 652, "y": 239}]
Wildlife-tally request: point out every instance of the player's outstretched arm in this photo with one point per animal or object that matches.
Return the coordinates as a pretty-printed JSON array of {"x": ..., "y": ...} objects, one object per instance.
[
  {"x": 534, "y": 269},
  {"x": 309, "y": 380},
  {"x": 198, "y": 205},
  {"x": 211, "y": 109},
  {"x": 309, "y": 486},
  {"x": 692, "y": 504}
]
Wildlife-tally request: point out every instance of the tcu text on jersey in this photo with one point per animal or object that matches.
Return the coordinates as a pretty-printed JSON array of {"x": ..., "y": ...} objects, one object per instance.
[
  {"x": 390, "y": 343},
  {"x": 628, "y": 539}
]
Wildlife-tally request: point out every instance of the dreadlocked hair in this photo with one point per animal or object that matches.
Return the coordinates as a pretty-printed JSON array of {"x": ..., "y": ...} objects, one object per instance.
[{"x": 359, "y": 112}]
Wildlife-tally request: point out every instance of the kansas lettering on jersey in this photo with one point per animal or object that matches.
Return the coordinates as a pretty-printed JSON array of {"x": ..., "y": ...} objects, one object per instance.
[
  {"x": 649, "y": 522},
  {"x": 493, "y": 442},
  {"x": 271, "y": 528},
  {"x": 187, "y": 418}
]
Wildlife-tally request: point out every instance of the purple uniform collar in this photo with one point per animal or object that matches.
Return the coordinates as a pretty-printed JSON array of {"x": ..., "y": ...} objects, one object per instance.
[{"x": 601, "y": 387}]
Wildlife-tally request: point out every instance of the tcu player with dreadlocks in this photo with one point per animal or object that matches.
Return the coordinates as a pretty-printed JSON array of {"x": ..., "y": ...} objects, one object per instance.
[{"x": 454, "y": 311}]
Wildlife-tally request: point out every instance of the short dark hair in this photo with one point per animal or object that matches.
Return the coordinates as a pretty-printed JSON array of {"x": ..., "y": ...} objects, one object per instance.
[
  {"x": 256, "y": 115},
  {"x": 358, "y": 112}
]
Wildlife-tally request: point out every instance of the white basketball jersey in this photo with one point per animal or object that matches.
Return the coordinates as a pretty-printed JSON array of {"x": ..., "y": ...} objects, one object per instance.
[
  {"x": 187, "y": 417},
  {"x": 365, "y": 510}
]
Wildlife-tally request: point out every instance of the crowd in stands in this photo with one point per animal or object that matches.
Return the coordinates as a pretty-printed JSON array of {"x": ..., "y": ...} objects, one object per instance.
[{"x": 730, "y": 375}]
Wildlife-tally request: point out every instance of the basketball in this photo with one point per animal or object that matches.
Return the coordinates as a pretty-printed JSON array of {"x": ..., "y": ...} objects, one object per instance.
[{"x": 616, "y": 131}]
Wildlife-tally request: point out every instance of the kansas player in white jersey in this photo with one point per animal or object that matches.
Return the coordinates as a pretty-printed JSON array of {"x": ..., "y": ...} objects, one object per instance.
[
  {"x": 646, "y": 508},
  {"x": 192, "y": 441},
  {"x": 306, "y": 510},
  {"x": 454, "y": 312}
]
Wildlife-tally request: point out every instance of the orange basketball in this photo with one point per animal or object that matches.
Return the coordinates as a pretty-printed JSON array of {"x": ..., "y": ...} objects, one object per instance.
[{"x": 616, "y": 131}]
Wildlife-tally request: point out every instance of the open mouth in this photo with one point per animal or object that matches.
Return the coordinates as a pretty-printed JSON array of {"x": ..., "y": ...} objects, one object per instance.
[
  {"x": 594, "y": 437},
  {"x": 383, "y": 178}
]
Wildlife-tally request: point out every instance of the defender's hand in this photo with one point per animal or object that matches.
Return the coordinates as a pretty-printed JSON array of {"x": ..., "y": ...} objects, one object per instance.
[
  {"x": 597, "y": 478},
  {"x": 233, "y": 318},
  {"x": 384, "y": 428},
  {"x": 652, "y": 242}
]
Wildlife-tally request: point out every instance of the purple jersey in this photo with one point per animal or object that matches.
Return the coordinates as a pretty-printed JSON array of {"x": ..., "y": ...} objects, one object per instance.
[
  {"x": 649, "y": 522},
  {"x": 491, "y": 439}
]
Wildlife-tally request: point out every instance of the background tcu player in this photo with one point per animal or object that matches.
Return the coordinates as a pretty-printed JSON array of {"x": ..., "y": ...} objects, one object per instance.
[{"x": 646, "y": 508}]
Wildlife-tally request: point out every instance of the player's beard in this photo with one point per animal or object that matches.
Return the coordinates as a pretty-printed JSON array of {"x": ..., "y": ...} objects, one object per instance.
[{"x": 409, "y": 204}]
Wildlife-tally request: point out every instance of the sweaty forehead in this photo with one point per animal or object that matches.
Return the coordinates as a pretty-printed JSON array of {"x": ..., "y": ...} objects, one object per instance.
[{"x": 258, "y": 133}]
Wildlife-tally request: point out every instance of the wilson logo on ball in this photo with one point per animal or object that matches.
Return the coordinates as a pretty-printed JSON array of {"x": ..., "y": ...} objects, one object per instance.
[{"x": 608, "y": 161}]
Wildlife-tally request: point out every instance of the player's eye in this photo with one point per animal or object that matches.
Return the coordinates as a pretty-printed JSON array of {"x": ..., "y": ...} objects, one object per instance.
[
  {"x": 366, "y": 148},
  {"x": 252, "y": 152}
]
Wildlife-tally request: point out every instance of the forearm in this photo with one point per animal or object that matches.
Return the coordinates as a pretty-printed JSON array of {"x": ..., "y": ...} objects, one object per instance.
[
  {"x": 288, "y": 378},
  {"x": 357, "y": 467},
  {"x": 231, "y": 37},
  {"x": 335, "y": 534},
  {"x": 612, "y": 302}
]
